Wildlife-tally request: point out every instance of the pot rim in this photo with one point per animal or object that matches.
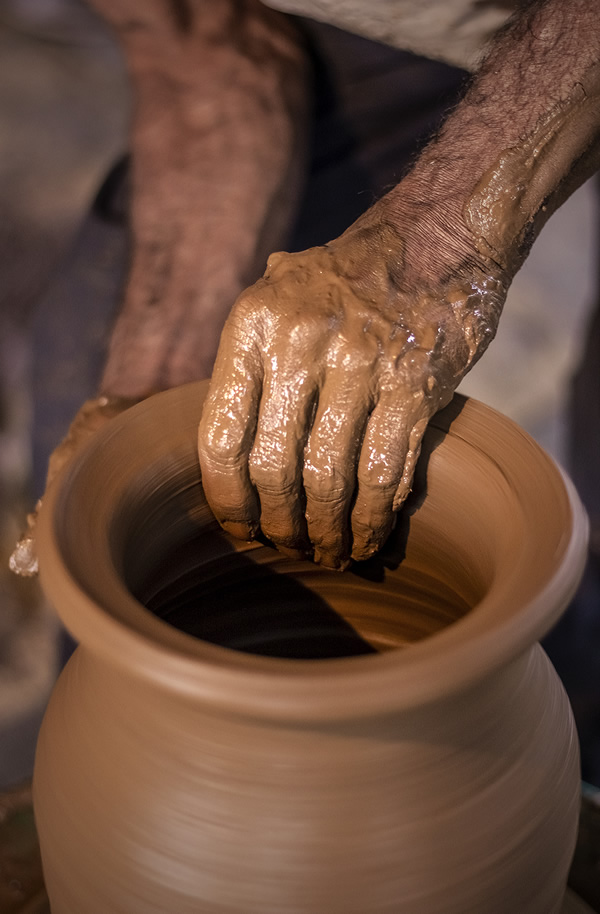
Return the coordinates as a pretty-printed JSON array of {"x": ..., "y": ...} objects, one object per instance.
[{"x": 122, "y": 632}]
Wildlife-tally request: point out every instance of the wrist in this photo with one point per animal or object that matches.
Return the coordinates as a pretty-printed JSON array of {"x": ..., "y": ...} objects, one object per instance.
[
  {"x": 422, "y": 259},
  {"x": 427, "y": 210},
  {"x": 524, "y": 136}
]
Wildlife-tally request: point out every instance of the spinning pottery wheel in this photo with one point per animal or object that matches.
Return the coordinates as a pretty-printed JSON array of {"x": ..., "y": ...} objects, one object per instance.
[{"x": 243, "y": 733}]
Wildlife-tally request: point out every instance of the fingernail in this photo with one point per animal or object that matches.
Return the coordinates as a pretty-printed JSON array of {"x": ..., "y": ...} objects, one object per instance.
[{"x": 240, "y": 531}]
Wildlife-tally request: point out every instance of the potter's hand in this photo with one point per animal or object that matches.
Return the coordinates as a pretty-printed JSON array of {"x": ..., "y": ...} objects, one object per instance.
[
  {"x": 331, "y": 366},
  {"x": 329, "y": 369},
  {"x": 92, "y": 416}
]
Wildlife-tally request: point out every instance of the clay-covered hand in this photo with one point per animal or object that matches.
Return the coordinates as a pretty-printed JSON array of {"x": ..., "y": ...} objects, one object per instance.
[
  {"x": 92, "y": 416},
  {"x": 329, "y": 369}
]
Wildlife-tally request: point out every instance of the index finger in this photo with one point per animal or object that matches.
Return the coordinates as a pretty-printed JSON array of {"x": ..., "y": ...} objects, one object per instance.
[{"x": 227, "y": 428}]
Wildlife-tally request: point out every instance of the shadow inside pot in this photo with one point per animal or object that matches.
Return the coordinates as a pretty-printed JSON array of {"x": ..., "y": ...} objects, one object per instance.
[{"x": 178, "y": 563}]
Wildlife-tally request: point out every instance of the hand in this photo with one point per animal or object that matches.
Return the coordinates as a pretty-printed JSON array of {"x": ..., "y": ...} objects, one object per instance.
[
  {"x": 328, "y": 372},
  {"x": 92, "y": 416},
  {"x": 331, "y": 365},
  {"x": 211, "y": 193}
]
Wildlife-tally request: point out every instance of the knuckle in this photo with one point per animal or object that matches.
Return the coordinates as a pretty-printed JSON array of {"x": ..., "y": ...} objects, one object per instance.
[
  {"x": 377, "y": 478},
  {"x": 223, "y": 441},
  {"x": 248, "y": 301},
  {"x": 413, "y": 369},
  {"x": 221, "y": 455},
  {"x": 247, "y": 314},
  {"x": 271, "y": 477},
  {"x": 327, "y": 484},
  {"x": 324, "y": 491}
]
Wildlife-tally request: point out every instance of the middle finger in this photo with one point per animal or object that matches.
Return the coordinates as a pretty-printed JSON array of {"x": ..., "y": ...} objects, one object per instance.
[
  {"x": 330, "y": 462},
  {"x": 275, "y": 462}
]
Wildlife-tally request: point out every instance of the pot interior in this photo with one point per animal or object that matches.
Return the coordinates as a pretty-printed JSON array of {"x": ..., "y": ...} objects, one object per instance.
[
  {"x": 486, "y": 554},
  {"x": 176, "y": 560}
]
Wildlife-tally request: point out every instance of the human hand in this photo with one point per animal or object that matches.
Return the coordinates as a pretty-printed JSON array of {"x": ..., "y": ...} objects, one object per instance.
[
  {"x": 211, "y": 193},
  {"x": 329, "y": 370},
  {"x": 92, "y": 416}
]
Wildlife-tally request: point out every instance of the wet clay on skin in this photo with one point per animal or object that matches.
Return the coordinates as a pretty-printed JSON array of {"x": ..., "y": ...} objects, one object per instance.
[
  {"x": 328, "y": 372},
  {"x": 516, "y": 189},
  {"x": 332, "y": 365}
]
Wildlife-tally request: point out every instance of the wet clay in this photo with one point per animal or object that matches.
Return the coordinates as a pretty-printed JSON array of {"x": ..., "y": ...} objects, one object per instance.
[
  {"x": 90, "y": 417},
  {"x": 181, "y": 770},
  {"x": 331, "y": 366},
  {"x": 511, "y": 195},
  {"x": 328, "y": 372}
]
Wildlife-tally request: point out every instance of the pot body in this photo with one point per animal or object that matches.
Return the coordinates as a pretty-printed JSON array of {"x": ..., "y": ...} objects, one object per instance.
[
  {"x": 147, "y": 804},
  {"x": 435, "y": 777}
]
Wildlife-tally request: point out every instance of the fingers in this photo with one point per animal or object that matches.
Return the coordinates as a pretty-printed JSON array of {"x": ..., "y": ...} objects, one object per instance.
[
  {"x": 275, "y": 464},
  {"x": 334, "y": 482},
  {"x": 391, "y": 447},
  {"x": 415, "y": 441},
  {"x": 331, "y": 458},
  {"x": 256, "y": 428},
  {"x": 227, "y": 428}
]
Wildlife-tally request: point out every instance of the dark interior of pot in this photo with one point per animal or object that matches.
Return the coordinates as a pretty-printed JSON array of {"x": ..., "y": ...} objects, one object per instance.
[{"x": 177, "y": 561}]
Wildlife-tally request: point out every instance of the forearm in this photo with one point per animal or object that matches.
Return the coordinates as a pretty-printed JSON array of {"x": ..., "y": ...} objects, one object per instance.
[
  {"x": 525, "y": 135},
  {"x": 387, "y": 318},
  {"x": 217, "y": 156}
]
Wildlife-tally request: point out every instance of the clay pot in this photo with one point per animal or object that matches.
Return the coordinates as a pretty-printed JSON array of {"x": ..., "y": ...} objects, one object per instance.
[{"x": 244, "y": 734}]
